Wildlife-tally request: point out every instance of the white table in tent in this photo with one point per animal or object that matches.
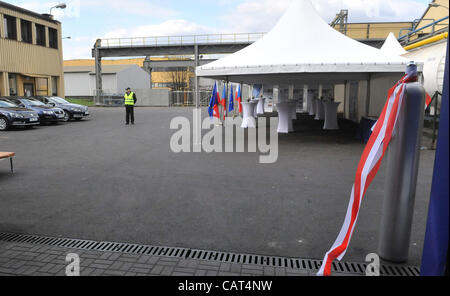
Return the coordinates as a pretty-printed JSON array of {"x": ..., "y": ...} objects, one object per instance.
[
  {"x": 260, "y": 107},
  {"x": 285, "y": 124},
  {"x": 320, "y": 111},
  {"x": 293, "y": 109},
  {"x": 312, "y": 109},
  {"x": 255, "y": 107},
  {"x": 248, "y": 112},
  {"x": 331, "y": 122},
  {"x": 309, "y": 104}
]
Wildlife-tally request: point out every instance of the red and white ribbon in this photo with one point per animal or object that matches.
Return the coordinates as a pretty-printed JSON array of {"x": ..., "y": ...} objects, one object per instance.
[{"x": 368, "y": 167}]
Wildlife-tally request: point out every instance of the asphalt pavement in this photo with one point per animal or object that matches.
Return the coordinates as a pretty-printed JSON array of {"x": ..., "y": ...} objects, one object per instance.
[{"x": 102, "y": 180}]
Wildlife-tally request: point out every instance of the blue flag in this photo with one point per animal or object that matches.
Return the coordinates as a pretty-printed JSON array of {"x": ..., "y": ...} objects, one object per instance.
[
  {"x": 257, "y": 90},
  {"x": 231, "y": 103},
  {"x": 435, "y": 248},
  {"x": 213, "y": 103},
  {"x": 224, "y": 97}
]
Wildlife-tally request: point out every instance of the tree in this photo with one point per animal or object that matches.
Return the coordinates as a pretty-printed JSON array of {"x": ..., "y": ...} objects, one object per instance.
[{"x": 179, "y": 77}]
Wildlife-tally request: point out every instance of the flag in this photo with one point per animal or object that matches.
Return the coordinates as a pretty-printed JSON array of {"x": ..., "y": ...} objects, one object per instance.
[
  {"x": 435, "y": 247},
  {"x": 367, "y": 169},
  {"x": 213, "y": 108},
  {"x": 238, "y": 97},
  {"x": 428, "y": 100},
  {"x": 224, "y": 100},
  {"x": 231, "y": 100},
  {"x": 257, "y": 90}
]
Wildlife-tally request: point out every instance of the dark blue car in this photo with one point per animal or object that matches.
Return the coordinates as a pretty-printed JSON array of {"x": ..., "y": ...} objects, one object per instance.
[
  {"x": 47, "y": 114},
  {"x": 11, "y": 115},
  {"x": 72, "y": 111}
]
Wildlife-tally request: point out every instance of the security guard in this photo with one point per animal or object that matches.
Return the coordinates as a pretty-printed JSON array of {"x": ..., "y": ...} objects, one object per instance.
[{"x": 130, "y": 100}]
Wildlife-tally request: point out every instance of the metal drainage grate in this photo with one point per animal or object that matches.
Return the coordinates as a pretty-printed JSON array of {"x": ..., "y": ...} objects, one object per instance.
[{"x": 186, "y": 253}]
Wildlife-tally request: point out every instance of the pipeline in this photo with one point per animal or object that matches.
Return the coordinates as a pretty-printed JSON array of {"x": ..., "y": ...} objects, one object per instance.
[{"x": 427, "y": 41}]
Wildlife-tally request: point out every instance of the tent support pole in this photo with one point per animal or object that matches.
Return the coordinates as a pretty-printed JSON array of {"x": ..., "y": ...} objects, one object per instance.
[
  {"x": 345, "y": 98},
  {"x": 305, "y": 98},
  {"x": 368, "y": 95}
]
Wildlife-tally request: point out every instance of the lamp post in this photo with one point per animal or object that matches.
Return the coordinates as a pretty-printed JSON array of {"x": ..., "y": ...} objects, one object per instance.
[
  {"x": 68, "y": 37},
  {"x": 60, "y": 6}
]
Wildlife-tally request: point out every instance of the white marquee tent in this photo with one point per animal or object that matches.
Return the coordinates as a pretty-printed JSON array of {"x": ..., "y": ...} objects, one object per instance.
[
  {"x": 302, "y": 49},
  {"x": 302, "y": 43},
  {"x": 392, "y": 46}
]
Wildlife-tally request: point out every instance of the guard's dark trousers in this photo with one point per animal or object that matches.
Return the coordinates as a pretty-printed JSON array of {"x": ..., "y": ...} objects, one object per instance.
[{"x": 129, "y": 114}]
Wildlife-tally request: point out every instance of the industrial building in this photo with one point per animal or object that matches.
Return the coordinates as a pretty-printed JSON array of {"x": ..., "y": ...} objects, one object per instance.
[
  {"x": 31, "y": 58},
  {"x": 80, "y": 80},
  {"x": 159, "y": 78}
]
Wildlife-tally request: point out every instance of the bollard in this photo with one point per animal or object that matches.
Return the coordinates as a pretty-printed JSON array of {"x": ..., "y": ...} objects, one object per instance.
[{"x": 401, "y": 178}]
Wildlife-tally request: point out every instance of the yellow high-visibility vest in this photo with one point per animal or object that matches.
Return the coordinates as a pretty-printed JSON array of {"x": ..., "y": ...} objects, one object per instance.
[{"x": 129, "y": 100}]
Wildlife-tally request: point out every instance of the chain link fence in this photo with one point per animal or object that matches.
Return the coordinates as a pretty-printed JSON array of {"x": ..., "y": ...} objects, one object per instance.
[
  {"x": 187, "y": 98},
  {"x": 108, "y": 98},
  {"x": 176, "y": 98}
]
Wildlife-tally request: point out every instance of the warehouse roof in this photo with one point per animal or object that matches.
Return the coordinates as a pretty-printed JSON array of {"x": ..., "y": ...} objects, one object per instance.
[{"x": 106, "y": 69}]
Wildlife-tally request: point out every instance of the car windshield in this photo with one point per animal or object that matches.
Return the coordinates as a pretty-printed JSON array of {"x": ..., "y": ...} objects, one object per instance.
[
  {"x": 59, "y": 100},
  {"x": 32, "y": 102},
  {"x": 6, "y": 104}
]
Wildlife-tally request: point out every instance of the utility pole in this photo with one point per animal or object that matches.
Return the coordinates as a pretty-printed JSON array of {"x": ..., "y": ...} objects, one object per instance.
[{"x": 98, "y": 72}]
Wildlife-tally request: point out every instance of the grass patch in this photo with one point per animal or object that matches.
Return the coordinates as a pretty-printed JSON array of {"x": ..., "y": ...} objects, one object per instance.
[{"x": 84, "y": 102}]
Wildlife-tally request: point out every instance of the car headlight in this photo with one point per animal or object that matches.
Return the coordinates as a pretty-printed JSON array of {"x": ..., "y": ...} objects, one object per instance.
[
  {"x": 48, "y": 112},
  {"x": 15, "y": 115}
]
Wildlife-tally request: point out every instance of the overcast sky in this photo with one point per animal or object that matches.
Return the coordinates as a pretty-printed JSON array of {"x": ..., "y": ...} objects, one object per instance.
[{"x": 86, "y": 20}]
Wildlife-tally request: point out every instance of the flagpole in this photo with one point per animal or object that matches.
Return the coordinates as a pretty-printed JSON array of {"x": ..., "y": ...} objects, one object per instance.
[
  {"x": 226, "y": 99},
  {"x": 234, "y": 112},
  {"x": 219, "y": 106}
]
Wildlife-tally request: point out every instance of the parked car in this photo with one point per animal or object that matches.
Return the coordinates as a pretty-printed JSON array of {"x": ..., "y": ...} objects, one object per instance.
[
  {"x": 47, "y": 114},
  {"x": 72, "y": 111},
  {"x": 11, "y": 115}
]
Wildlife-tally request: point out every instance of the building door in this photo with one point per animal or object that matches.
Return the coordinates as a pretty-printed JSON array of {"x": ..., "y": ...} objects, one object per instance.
[
  {"x": 28, "y": 89},
  {"x": 353, "y": 101}
]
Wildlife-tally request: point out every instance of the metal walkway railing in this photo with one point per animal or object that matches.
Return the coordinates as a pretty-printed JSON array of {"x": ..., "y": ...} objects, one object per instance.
[
  {"x": 182, "y": 40},
  {"x": 435, "y": 26}
]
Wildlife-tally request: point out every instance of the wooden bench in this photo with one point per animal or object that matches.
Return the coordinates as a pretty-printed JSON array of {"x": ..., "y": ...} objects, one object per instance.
[{"x": 10, "y": 155}]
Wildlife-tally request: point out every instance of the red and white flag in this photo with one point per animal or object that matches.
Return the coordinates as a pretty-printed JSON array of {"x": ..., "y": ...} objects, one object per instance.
[{"x": 368, "y": 167}]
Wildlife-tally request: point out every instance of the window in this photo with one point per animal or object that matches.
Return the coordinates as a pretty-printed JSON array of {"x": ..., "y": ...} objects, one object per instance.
[
  {"x": 54, "y": 86},
  {"x": 53, "y": 38},
  {"x": 9, "y": 23},
  {"x": 12, "y": 84},
  {"x": 41, "y": 86},
  {"x": 25, "y": 27},
  {"x": 40, "y": 35}
]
